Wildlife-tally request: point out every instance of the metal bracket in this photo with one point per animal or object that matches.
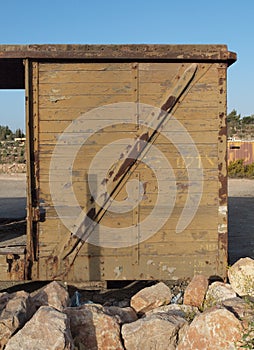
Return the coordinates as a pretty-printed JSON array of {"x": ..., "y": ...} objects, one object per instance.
[{"x": 36, "y": 214}]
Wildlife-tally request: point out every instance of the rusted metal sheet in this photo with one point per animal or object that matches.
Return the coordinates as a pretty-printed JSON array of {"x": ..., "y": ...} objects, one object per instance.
[
  {"x": 12, "y": 263},
  {"x": 84, "y": 99},
  {"x": 241, "y": 150}
]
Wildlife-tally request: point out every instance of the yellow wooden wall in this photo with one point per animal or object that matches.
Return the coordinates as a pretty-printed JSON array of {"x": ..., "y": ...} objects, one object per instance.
[{"x": 62, "y": 92}]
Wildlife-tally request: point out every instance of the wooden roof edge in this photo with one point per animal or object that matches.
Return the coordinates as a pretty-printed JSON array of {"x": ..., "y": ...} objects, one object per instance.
[{"x": 199, "y": 52}]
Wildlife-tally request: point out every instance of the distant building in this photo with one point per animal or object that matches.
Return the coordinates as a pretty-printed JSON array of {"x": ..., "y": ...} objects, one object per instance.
[
  {"x": 241, "y": 150},
  {"x": 20, "y": 140}
]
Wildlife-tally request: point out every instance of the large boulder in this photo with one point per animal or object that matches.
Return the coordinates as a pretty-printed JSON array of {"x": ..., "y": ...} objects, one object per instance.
[
  {"x": 151, "y": 297},
  {"x": 156, "y": 331},
  {"x": 215, "y": 329},
  {"x": 53, "y": 294},
  {"x": 195, "y": 291},
  {"x": 47, "y": 329},
  {"x": 188, "y": 312},
  {"x": 242, "y": 309},
  {"x": 15, "y": 310},
  {"x": 93, "y": 329},
  {"x": 122, "y": 314},
  {"x": 218, "y": 292},
  {"x": 241, "y": 277}
]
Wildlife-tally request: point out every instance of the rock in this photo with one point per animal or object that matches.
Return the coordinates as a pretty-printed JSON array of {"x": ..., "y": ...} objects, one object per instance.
[
  {"x": 93, "y": 329},
  {"x": 215, "y": 329},
  {"x": 124, "y": 315},
  {"x": 217, "y": 292},
  {"x": 123, "y": 303},
  {"x": 181, "y": 333},
  {"x": 195, "y": 291},
  {"x": 157, "y": 331},
  {"x": 188, "y": 312},
  {"x": 151, "y": 297},
  {"x": 53, "y": 294},
  {"x": 240, "y": 308},
  {"x": 15, "y": 310},
  {"x": 4, "y": 297},
  {"x": 241, "y": 277},
  {"x": 47, "y": 329}
]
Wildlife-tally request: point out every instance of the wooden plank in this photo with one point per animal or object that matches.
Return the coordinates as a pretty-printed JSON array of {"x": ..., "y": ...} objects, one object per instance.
[
  {"x": 84, "y": 66},
  {"x": 17, "y": 250},
  {"x": 145, "y": 52},
  {"x": 189, "y": 114},
  {"x": 82, "y": 162},
  {"x": 59, "y": 126},
  {"x": 205, "y": 218},
  {"x": 83, "y": 196},
  {"x": 199, "y": 137},
  {"x": 206, "y": 73},
  {"x": 170, "y": 67},
  {"x": 85, "y": 88},
  {"x": 180, "y": 174},
  {"x": 80, "y": 126},
  {"x": 53, "y": 230},
  {"x": 195, "y": 240},
  {"x": 148, "y": 249},
  {"x": 210, "y": 177},
  {"x": 189, "y": 102},
  {"x": 63, "y": 77},
  {"x": 153, "y": 88},
  {"x": 150, "y": 186},
  {"x": 86, "y": 102},
  {"x": 204, "y": 150},
  {"x": 165, "y": 267},
  {"x": 82, "y": 165}
]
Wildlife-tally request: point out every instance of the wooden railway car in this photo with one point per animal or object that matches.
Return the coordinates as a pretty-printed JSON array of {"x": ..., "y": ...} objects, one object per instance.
[{"x": 126, "y": 161}]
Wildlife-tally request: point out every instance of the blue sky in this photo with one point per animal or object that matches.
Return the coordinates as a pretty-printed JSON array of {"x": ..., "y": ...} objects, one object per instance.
[{"x": 113, "y": 22}]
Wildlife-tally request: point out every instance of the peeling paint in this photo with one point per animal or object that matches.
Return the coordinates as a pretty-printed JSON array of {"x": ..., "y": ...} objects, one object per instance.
[
  {"x": 150, "y": 262},
  {"x": 222, "y": 228},
  {"x": 118, "y": 270},
  {"x": 162, "y": 256},
  {"x": 223, "y": 209},
  {"x": 164, "y": 267},
  {"x": 170, "y": 270},
  {"x": 55, "y": 91},
  {"x": 55, "y": 99}
]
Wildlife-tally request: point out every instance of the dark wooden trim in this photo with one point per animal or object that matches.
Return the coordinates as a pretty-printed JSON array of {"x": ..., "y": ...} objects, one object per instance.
[{"x": 132, "y": 52}]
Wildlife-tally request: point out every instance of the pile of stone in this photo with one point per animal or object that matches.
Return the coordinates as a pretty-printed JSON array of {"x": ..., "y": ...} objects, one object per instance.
[{"x": 214, "y": 316}]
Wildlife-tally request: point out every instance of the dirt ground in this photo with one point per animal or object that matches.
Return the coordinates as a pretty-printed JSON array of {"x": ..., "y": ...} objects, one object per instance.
[
  {"x": 241, "y": 210},
  {"x": 12, "y": 196}
]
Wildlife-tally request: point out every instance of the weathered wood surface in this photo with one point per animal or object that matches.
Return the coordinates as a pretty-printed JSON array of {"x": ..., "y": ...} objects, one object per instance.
[
  {"x": 131, "y": 51},
  {"x": 65, "y": 92}
]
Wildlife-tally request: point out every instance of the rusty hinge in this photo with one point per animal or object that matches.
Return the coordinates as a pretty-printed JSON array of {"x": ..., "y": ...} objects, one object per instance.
[
  {"x": 15, "y": 267},
  {"x": 36, "y": 214}
]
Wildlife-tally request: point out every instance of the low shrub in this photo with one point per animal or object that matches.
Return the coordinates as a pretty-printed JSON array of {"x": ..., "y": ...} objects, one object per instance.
[{"x": 238, "y": 169}]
